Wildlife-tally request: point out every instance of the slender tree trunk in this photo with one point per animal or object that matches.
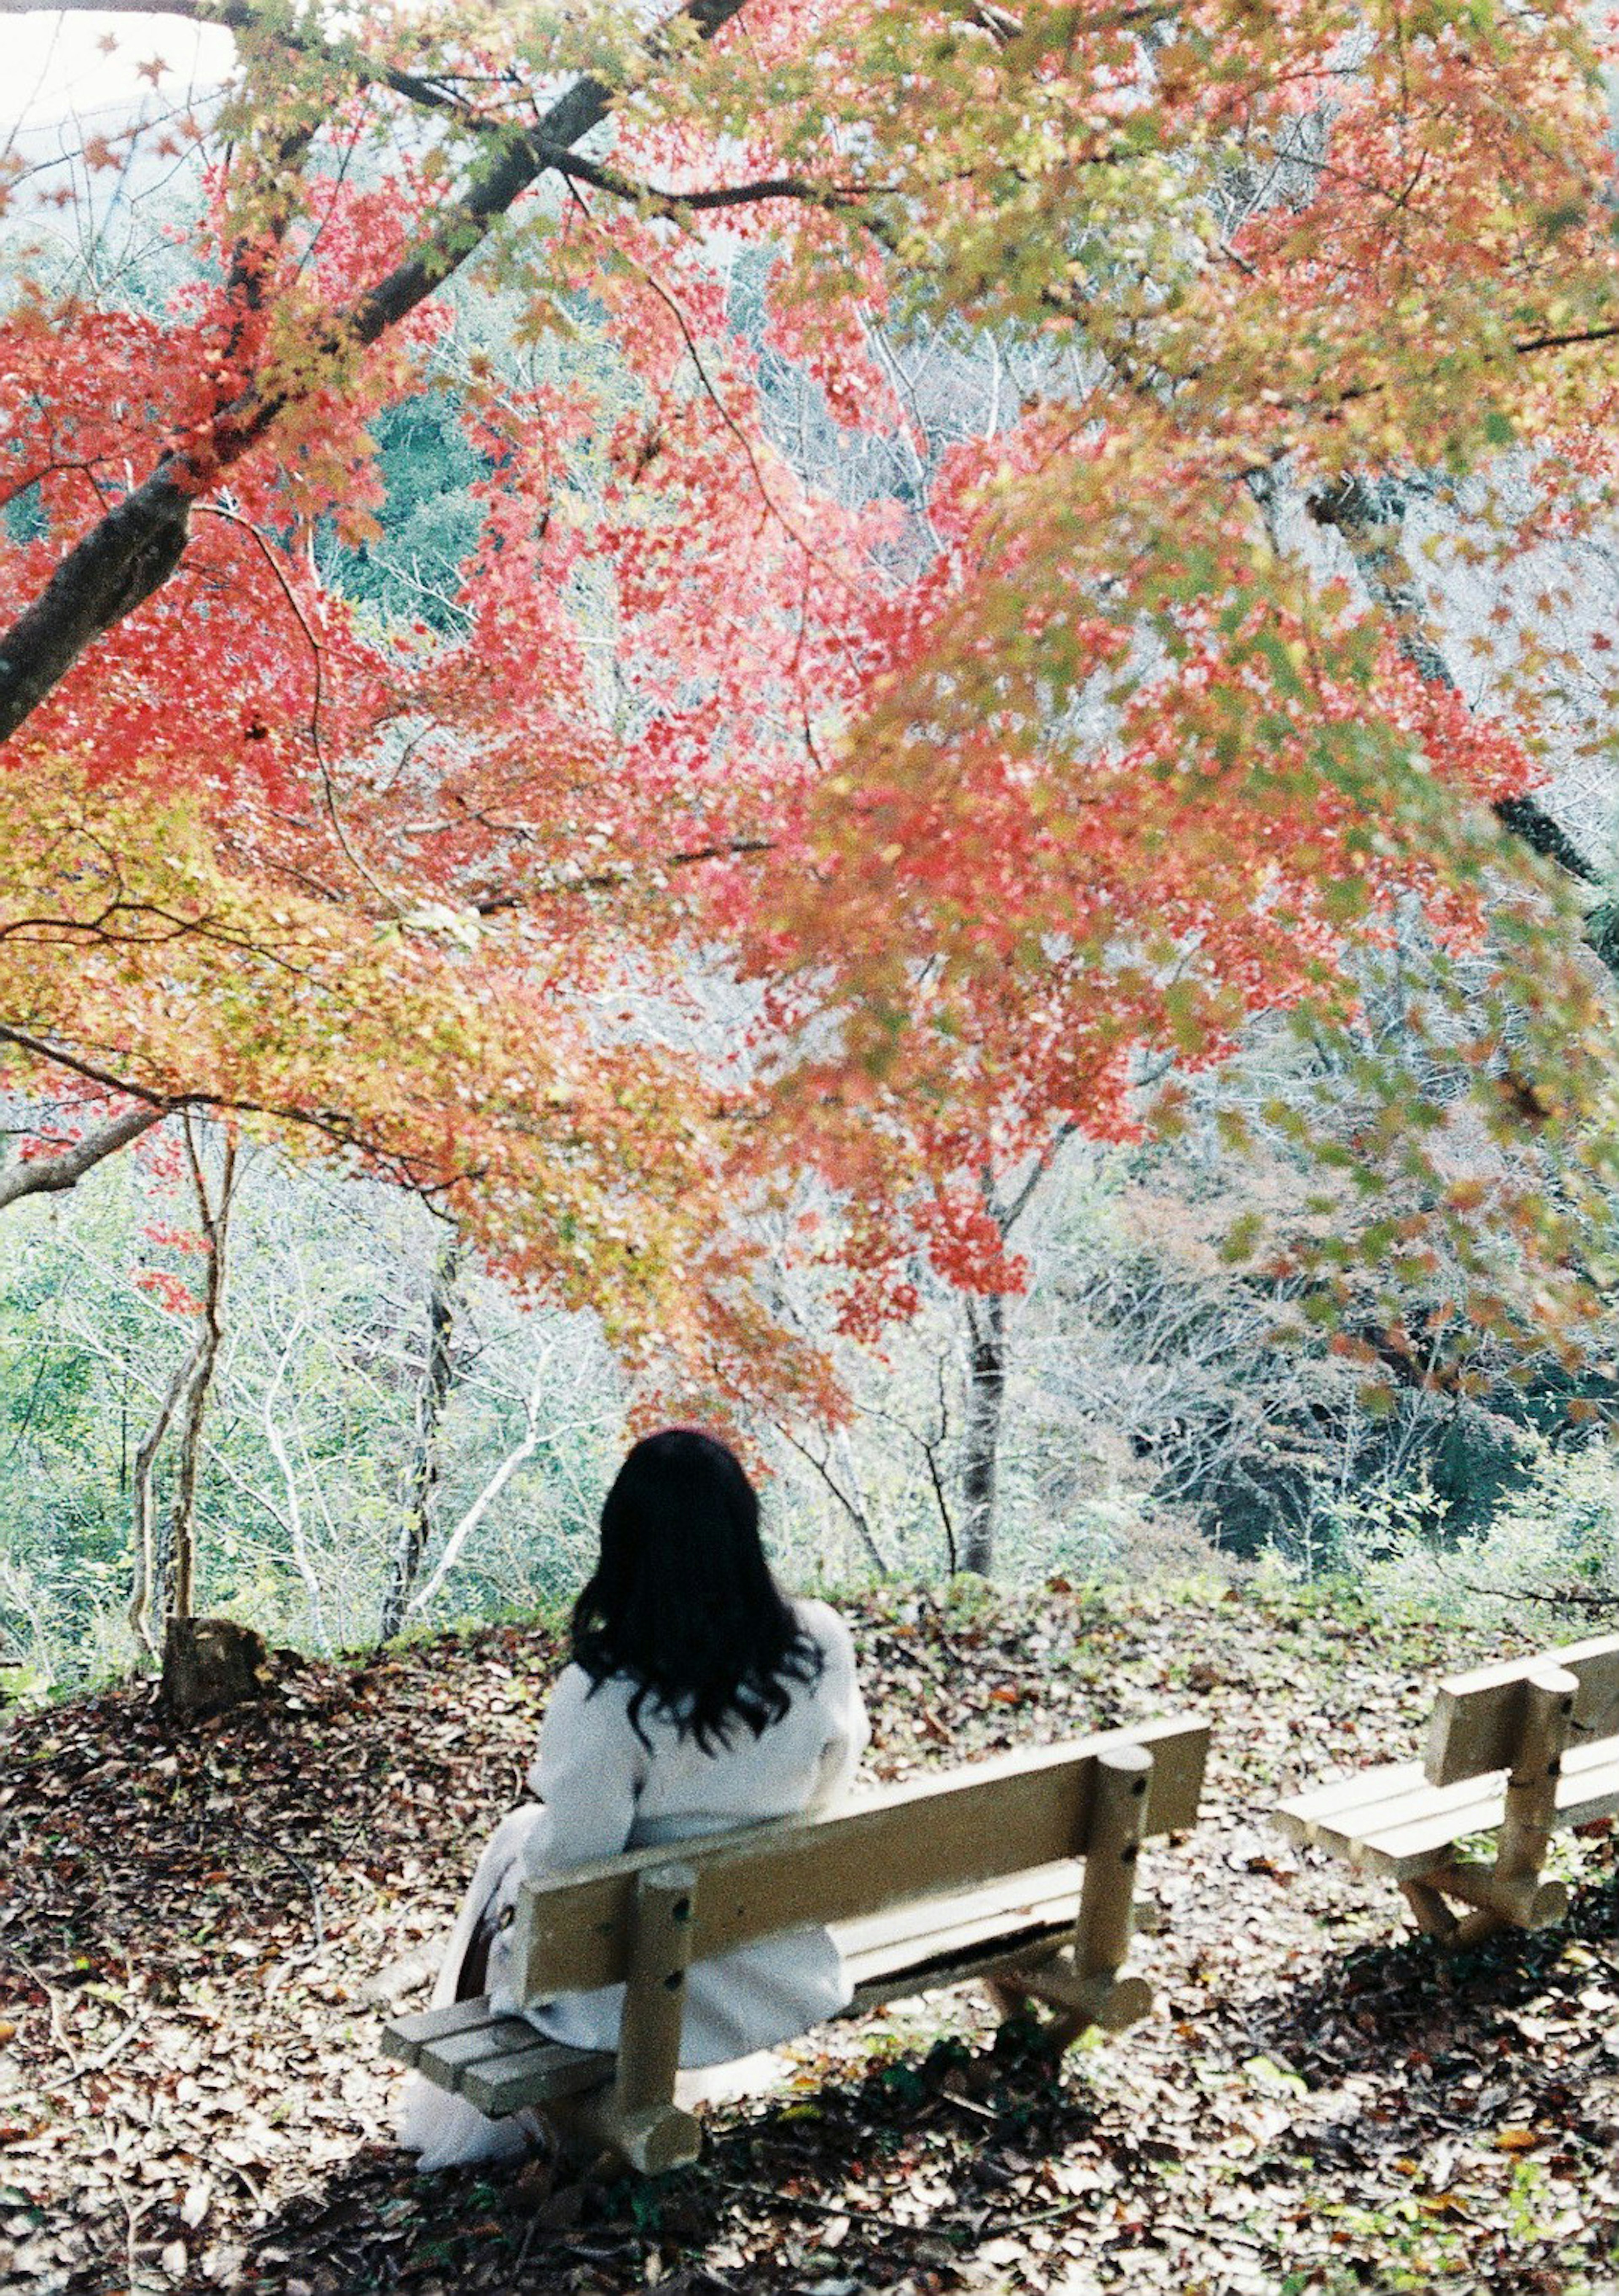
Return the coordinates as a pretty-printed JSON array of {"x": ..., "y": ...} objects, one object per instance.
[
  {"x": 981, "y": 1438},
  {"x": 157, "y": 1557},
  {"x": 1369, "y": 515},
  {"x": 987, "y": 1366},
  {"x": 146, "y": 1558},
  {"x": 215, "y": 1219},
  {"x": 415, "y": 1522},
  {"x": 520, "y": 1454},
  {"x": 301, "y": 1560}
]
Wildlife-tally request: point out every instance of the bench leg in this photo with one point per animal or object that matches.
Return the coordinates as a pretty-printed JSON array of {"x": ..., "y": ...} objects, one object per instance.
[
  {"x": 1519, "y": 1901},
  {"x": 1532, "y": 1790},
  {"x": 1009, "y": 1998},
  {"x": 635, "y": 2117},
  {"x": 1453, "y": 1932},
  {"x": 1432, "y": 1916},
  {"x": 1510, "y": 1894},
  {"x": 1084, "y": 1984},
  {"x": 1107, "y": 1899}
]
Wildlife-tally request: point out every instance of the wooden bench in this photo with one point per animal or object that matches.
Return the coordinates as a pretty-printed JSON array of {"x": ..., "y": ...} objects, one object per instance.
[
  {"x": 1518, "y": 1750},
  {"x": 971, "y": 1875}
]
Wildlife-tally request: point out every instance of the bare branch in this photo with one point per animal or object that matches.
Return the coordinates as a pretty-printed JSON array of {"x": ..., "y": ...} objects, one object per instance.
[
  {"x": 519, "y": 1453},
  {"x": 855, "y": 1512}
]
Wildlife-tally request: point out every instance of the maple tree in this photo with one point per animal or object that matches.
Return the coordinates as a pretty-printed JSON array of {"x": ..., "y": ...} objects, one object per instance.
[{"x": 981, "y": 797}]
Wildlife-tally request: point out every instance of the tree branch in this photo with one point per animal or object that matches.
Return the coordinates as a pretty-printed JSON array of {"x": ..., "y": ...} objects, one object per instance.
[
  {"x": 1368, "y": 513},
  {"x": 130, "y": 552},
  {"x": 50, "y": 1175},
  {"x": 332, "y": 1123}
]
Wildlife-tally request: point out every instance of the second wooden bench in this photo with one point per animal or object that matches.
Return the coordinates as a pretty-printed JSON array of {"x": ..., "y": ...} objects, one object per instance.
[{"x": 1518, "y": 1750}]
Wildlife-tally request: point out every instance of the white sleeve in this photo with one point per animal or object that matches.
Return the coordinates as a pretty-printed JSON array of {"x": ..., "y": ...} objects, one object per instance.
[
  {"x": 848, "y": 1727},
  {"x": 588, "y": 1772}
]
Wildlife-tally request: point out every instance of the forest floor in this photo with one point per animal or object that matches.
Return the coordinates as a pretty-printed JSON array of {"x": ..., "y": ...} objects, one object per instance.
[{"x": 191, "y": 1927}]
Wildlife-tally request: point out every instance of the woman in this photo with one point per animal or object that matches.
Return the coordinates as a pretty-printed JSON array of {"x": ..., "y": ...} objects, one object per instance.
[{"x": 698, "y": 1699}]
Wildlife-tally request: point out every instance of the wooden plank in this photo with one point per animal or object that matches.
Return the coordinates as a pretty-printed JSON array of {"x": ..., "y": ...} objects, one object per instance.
[
  {"x": 900, "y": 1979},
  {"x": 1408, "y": 1836},
  {"x": 500, "y": 2037},
  {"x": 965, "y": 1918},
  {"x": 1589, "y": 1787},
  {"x": 505, "y": 2084},
  {"x": 407, "y": 2036},
  {"x": 1477, "y": 1716},
  {"x": 953, "y": 1928},
  {"x": 922, "y": 1840},
  {"x": 1388, "y": 1782}
]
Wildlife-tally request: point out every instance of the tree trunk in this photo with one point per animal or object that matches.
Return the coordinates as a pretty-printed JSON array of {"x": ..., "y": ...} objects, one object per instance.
[
  {"x": 1369, "y": 515},
  {"x": 415, "y": 1523},
  {"x": 986, "y": 1394},
  {"x": 156, "y": 1557},
  {"x": 986, "y": 1368},
  {"x": 150, "y": 1566},
  {"x": 181, "y": 1527}
]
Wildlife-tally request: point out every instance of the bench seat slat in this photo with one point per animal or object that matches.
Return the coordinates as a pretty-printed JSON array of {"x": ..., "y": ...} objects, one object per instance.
[
  {"x": 1389, "y": 1785},
  {"x": 498, "y": 2036},
  {"x": 898, "y": 1977},
  {"x": 505, "y": 2084},
  {"x": 1393, "y": 1822},
  {"x": 1014, "y": 1915},
  {"x": 962, "y": 1918},
  {"x": 497, "y": 2062},
  {"x": 406, "y": 2037}
]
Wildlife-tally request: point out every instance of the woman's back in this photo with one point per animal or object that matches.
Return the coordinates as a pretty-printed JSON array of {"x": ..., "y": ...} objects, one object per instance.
[{"x": 609, "y": 1786}]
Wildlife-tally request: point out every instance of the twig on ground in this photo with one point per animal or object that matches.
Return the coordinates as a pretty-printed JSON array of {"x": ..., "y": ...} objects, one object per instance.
[
  {"x": 99, "y": 2062},
  {"x": 52, "y": 2003},
  {"x": 799, "y": 2200},
  {"x": 305, "y": 1872}
]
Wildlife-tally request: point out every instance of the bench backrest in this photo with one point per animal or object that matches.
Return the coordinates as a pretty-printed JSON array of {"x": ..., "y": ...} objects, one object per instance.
[
  {"x": 1478, "y": 1716},
  {"x": 935, "y": 1836}
]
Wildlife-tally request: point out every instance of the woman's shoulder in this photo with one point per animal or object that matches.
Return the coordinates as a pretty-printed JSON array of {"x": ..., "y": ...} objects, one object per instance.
[
  {"x": 824, "y": 1626},
  {"x": 576, "y": 1692}
]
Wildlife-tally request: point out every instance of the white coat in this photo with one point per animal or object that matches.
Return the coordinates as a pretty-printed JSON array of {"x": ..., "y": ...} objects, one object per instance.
[{"x": 600, "y": 1789}]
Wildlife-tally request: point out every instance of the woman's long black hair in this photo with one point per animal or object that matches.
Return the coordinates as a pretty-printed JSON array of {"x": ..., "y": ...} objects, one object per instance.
[{"x": 682, "y": 1600}]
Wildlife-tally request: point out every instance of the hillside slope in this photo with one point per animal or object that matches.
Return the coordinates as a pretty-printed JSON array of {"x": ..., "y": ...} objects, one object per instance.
[{"x": 192, "y": 1928}]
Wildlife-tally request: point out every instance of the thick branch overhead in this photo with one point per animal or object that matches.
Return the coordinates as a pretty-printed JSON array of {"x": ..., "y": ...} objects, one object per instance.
[{"x": 130, "y": 551}]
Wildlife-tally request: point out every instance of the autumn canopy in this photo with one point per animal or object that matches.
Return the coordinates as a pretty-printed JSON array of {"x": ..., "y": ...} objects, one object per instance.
[{"x": 770, "y": 840}]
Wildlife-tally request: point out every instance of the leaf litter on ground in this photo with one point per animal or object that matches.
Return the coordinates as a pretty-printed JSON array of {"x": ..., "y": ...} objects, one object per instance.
[{"x": 202, "y": 1932}]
